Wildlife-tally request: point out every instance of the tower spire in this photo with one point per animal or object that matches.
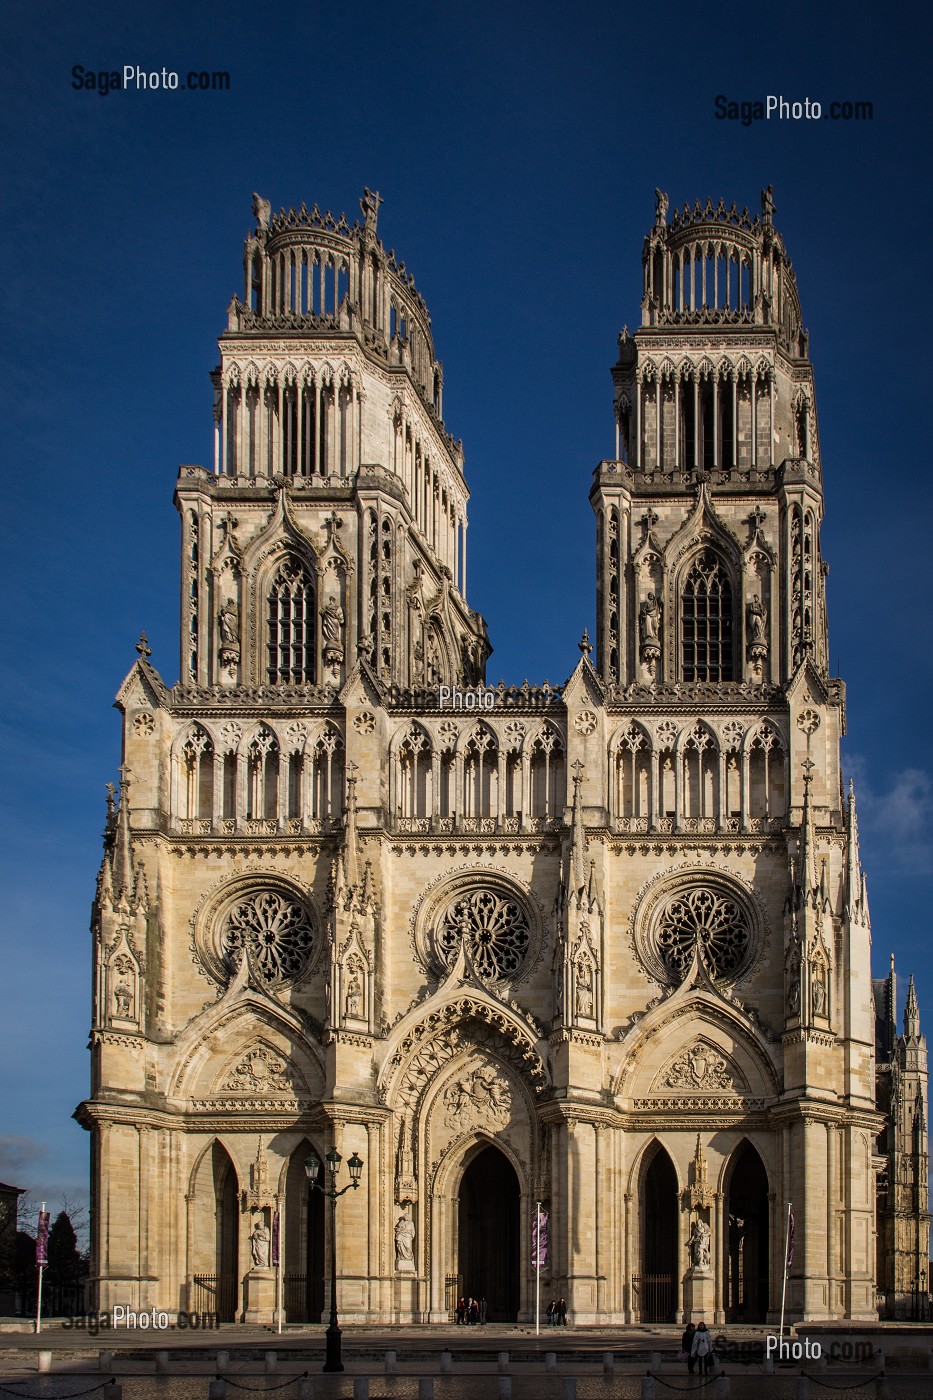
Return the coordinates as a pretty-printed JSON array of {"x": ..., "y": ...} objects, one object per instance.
[{"x": 912, "y": 1012}]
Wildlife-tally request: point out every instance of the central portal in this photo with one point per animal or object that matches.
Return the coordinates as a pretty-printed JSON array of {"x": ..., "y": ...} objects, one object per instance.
[{"x": 488, "y": 1259}]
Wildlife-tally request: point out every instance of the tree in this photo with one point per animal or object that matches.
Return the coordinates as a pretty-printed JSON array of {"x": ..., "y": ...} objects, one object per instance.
[{"x": 64, "y": 1258}]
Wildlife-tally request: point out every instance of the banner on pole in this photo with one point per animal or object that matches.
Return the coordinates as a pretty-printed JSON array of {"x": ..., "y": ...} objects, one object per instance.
[
  {"x": 275, "y": 1240},
  {"x": 790, "y": 1242},
  {"x": 539, "y": 1240},
  {"x": 42, "y": 1240}
]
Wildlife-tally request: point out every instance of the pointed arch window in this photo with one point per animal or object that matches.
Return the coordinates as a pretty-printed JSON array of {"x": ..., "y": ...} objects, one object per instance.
[
  {"x": 291, "y": 626},
  {"x": 706, "y": 621}
]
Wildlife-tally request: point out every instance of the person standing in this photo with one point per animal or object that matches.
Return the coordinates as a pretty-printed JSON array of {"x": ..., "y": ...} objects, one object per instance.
[
  {"x": 702, "y": 1349},
  {"x": 562, "y": 1312},
  {"x": 686, "y": 1346},
  {"x": 482, "y": 1312}
]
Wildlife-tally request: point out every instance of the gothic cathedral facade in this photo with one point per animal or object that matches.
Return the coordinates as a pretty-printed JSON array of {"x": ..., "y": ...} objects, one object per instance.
[{"x": 603, "y": 947}]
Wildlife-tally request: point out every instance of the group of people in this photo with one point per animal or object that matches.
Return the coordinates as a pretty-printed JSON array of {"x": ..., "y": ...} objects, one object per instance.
[
  {"x": 557, "y": 1313},
  {"x": 470, "y": 1311},
  {"x": 697, "y": 1346}
]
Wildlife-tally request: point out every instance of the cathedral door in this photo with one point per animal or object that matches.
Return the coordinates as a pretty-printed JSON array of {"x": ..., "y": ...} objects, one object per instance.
[
  {"x": 488, "y": 1234},
  {"x": 303, "y": 1280},
  {"x": 747, "y": 1239},
  {"x": 228, "y": 1238},
  {"x": 657, "y": 1288}
]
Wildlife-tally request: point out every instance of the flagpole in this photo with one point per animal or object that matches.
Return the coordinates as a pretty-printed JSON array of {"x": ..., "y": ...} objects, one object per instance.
[
  {"x": 786, "y": 1247},
  {"x": 41, "y": 1272},
  {"x": 537, "y": 1268}
]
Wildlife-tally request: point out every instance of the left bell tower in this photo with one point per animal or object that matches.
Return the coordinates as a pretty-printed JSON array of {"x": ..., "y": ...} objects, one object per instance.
[{"x": 333, "y": 525}]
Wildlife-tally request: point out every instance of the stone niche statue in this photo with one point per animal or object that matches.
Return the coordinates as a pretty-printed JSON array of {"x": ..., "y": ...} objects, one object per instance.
[
  {"x": 584, "y": 989},
  {"x": 354, "y": 997},
  {"x": 405, "y": 1245},
  {"x": 649, "y": 629},
  {"x": 259, "y": 1245},
  {"x": 332, "y": 620},
  {"x": 756, "y": 623},
  {"x": 699, "y": 1245},
  {"x": 228, "y": 623}
]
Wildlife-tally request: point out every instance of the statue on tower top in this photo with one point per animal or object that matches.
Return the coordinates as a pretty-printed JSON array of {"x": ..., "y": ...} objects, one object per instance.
[
  {"x": 767, "y": 204},
  {"x": 661, "y": 208},
  {"x": 369, "y": 204},
  {"x": 262, "y": 210}
]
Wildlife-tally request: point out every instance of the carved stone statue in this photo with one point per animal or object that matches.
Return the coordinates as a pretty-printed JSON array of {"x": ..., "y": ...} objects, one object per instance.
[
  {"x": 818, "y": 995},
  {"x": 793, "y": 996},
  {"x": 699, "y": 1245},
  {"x": 332, "y": 620},
  {"x": 661, "y": 208},
  {"x": 259, "y": 1244},
  {"x": 355, "y": 997},
  {"x": 228, "y": 621},
  {"x": 405, "y": 1245},
  {"x": 123, "y": 999},
  {"x": 584, "y": 990},
  {"x": 262, "y": 210},
  {"x": 767, "y": 204},
  {"x": 757, "y": 620},
  {"x": 650, "y": 620}
]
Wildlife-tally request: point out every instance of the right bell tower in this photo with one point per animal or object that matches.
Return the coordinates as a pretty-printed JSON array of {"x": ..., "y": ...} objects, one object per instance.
[{"x": 714, "y": 404}]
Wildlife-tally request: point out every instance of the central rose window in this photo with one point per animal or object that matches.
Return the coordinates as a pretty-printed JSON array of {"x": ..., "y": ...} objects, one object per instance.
[
  {"x": 706, "y": 919},
  {"x": 708, "y": 915},
  {"x": 494, "y": 929}
]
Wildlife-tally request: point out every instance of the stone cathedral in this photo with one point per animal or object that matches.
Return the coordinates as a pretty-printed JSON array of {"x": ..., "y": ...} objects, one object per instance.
[{"x": 603, "y": 946}]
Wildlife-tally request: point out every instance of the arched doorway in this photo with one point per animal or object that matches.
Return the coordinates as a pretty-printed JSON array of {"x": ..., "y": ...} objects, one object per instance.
[
  {"x": 747, "y": 1231},
  {"x": 303, "y": 1280},
  {"x": 227, "y": 1235},
  {"x": 488, "y": 1220},
  {"x": 656, "y": 1288}
]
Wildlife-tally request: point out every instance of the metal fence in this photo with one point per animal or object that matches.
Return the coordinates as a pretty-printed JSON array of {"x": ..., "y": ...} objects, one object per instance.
[
  {"x": 214, "y": 1293},
  {"x": 653, "y": 1297}
]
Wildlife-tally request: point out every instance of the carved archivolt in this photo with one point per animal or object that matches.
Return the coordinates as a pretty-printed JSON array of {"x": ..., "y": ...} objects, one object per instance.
[{"x": 263, "y": 1070}]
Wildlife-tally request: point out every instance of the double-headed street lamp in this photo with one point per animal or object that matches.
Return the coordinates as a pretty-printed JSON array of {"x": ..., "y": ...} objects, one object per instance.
[{"x": 332, "y": 1359}]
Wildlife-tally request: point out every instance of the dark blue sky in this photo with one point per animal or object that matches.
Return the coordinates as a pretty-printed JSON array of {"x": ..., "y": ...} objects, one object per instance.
[{"x": 517, "y": 147}]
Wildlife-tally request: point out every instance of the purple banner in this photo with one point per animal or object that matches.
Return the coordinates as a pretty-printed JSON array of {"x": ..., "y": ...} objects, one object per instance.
[
  {"x": 539, "y": 1240},
  {"x": 42, "y": 1240},
  {"x": 275, "y": 1240}
]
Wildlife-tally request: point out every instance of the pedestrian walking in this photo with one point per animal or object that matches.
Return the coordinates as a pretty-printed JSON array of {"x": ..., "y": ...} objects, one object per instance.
[{"x": 686, "y": 1346}]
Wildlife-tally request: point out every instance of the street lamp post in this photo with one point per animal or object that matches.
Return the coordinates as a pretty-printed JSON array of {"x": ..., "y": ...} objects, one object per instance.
[{"x": 332, "y": 1357}]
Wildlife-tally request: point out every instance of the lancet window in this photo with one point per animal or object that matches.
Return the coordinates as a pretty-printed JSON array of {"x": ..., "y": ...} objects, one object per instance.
[
  {"x": 327, "y": 776},
  {"x": 480, "y": 775},
  {"x": 262, "y": 776},
  {"x": 546, "y": 774},
  {"x": 700, "y": 758},
  {"x": 633, "y": 774},
  {"x": 291, "y": 625},
  {"x": 706, "y": 621},
  {"x": 767, "y": 777},
  {"x": 198, "y": 762},
  {"x": 414, "y": 776}
]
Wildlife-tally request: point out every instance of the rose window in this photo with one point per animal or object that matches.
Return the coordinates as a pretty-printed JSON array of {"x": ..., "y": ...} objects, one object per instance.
[
  {"x": 274, "y": 932},
  {"x": 706, "y": 919},
  {"x": 494, "y": 929}
]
